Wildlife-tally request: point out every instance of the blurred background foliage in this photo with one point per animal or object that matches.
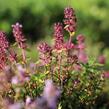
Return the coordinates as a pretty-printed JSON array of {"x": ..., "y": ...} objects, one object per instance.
[{"x": 38, "y": 17}]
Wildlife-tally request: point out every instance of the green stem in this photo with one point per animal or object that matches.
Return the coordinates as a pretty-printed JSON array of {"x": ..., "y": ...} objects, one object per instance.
[
  {"x": 23, "y": 55},
  {"x": 60, "y": 73}
]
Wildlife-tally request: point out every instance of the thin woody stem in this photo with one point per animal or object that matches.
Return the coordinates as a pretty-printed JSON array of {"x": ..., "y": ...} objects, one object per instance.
[
  {"x": 23, "y": 55},
  {"x": 70, "y": 39}
]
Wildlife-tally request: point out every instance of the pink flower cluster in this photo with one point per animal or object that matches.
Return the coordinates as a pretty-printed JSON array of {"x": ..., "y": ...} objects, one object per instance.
[
  {"x": 73, "y": 50},
  {"x": 58, "y": 36},
  {"x": 81, "y": 49}
]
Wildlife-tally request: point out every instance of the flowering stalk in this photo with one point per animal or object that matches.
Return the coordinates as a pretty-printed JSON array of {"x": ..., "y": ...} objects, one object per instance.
[
  {"x": 19, "y": 37},
  {"x": 45, "y": 53},
  {"x": 58, "y": 46},
  {"x": 58, "y": 36},
  {"x": 70, "y": 20},
  {"x": 82, "y": 57},
  {"x": 4, "y": 45}
]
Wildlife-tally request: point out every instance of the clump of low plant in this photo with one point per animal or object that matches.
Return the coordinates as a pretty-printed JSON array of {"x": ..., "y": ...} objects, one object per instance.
[{"x": 63, "y": 76}]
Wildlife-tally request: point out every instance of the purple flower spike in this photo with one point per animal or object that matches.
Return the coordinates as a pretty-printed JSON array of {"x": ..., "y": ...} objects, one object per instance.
[
  {"x": 18, "y": 34},
  {"x": 45, "y": 53},
  {"x": 4, "y": 44},
  {"x": 70, "y": 20},
  {"x": 58, "y": 35}
]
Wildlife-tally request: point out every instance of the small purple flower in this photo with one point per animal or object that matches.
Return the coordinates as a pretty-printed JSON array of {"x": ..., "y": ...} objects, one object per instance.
[
  {"x": 58, "y": 36},
  {"x": 41, "y": 103},
  {"x": 81, "y": 46},
  {"x": 101, "y": 59},
  {"x": 28, "y": 100},
  {"x": 80, "y": 38},
  {"x": 8, "y": 72},
  {"x": 80, "y": 42},
  {"x": 23, "y": 76},
  {"x": 76, "y": 82},
  {"x": 82, "y": 57},
  {"x": 15, "y": 80},
  {"x": 70, "y": 19},
  {"x": 18, "y": 34},
  {"x": 20, "y": 69},
  {"x": 32, "y": 67},
  {"x": 51, "y": 94}
]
